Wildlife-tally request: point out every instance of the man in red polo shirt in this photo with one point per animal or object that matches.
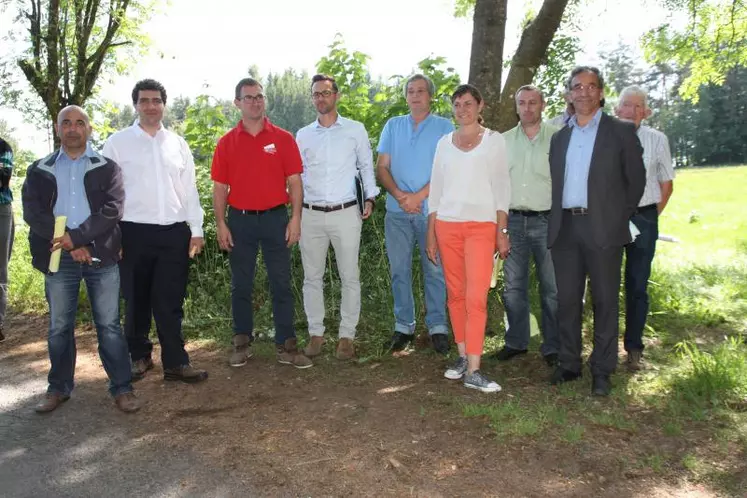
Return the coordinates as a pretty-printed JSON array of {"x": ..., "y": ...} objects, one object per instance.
[{"x": 252, "y": 166}]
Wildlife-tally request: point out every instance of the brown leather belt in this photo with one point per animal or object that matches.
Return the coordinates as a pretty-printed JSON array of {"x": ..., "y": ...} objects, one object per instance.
[{"x": 329, "y": 209}]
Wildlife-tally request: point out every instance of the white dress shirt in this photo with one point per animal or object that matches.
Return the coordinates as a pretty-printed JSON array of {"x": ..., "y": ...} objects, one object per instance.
[
  {"x": 470, "y": 186},
  {"x": 159, "y": 177},
  {"x": 331, "y": 159},
  {"x": 658, "y": 162}
]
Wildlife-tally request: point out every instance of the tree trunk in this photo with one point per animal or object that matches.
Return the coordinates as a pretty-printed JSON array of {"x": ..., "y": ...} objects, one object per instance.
[
  {"x": 530, "y": 54},
  {"x": 486, "y": 59}
]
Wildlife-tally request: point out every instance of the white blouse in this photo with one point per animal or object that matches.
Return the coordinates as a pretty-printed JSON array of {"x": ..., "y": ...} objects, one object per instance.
[{"x": 470, "y": 186}]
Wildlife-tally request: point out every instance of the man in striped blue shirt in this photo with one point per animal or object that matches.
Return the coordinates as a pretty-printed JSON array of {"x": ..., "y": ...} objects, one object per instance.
[{"x": 639, "y": 254}]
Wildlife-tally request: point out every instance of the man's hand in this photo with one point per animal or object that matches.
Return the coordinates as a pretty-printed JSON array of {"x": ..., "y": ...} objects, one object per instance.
[
  {"x": 64, "y": 242},
  {"x": 368, "y": 207},
  {"x": 410, "y": 203},
  {"x": 225, "y": 241},
  {"x": 81, "y": 255},
  {"x": 293, "y": 230},
  {"x": 502, "y": 245},
  {"x": 195, "y": 246}
]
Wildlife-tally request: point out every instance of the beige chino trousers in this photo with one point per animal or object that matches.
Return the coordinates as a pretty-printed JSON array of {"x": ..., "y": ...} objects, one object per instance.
[{"x": 343, "y": 229}]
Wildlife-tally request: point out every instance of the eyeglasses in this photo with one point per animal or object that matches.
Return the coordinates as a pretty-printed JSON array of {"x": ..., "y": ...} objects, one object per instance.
[
  {"x": 325, "y": 94},
  {"x": 146, "y": 101},
  {"x": 578, "y": 87},
  {"x": 253, "y": 98}
]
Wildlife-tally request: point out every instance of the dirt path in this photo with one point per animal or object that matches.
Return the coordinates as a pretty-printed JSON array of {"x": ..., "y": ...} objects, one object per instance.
[{"x": 393, "y": 428}]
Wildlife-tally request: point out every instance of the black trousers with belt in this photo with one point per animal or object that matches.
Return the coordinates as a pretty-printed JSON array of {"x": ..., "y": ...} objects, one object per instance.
[
  {"x": 575, "y": 255},
  {"x": 153, "y": 273}
]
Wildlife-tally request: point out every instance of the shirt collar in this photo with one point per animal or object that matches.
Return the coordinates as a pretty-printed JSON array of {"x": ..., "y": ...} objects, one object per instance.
[
  {"x": 62, "y": 156},
  {"x": 338, "y": 122},
  {"x": 140, "y": 131},
  {"x": 573, "y": 122},
  {"x": 267, "y": 126}
]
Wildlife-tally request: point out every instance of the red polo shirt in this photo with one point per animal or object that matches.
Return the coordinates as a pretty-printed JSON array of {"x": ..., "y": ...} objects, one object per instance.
[{"x": 255, "y": 168}]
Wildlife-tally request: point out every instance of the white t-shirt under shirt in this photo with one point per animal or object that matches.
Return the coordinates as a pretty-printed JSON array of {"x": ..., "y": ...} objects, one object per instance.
[{"x": 470, "y": 186}]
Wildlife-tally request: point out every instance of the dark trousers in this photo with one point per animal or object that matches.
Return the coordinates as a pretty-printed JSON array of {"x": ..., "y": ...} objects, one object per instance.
[
  {"x": 251, "y": 232},
  {"x": 575, "y": 255},
  {"x": 639, "y": 255},
  {"x": 154, "y": 271}
]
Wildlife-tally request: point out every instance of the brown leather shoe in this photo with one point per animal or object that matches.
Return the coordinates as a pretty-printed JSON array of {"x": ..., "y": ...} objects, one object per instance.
[
  {"x": 50, "y": 402},
  {"x": 185, "y": 373},
  {"x": 314, "y": 348},
  {"x": 345, "y": 350},
  {"x": 127, "y": 402},
  {"x": 140, "y": 367},
  {"x": 634, "y": 360},
  {"x": 288, "y": 354}
]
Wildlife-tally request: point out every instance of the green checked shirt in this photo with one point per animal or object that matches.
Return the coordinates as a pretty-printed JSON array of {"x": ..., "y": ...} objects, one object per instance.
[
  {"x": 6, "y": 170},
  {"x": 529, "y": 168}
]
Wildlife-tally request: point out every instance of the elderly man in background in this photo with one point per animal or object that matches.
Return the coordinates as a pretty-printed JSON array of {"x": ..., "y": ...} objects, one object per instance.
[{"x": 639, "y": 254}]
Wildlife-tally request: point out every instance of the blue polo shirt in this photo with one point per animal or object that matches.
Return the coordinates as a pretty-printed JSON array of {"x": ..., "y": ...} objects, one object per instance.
[{"x": 411, "y": 150}]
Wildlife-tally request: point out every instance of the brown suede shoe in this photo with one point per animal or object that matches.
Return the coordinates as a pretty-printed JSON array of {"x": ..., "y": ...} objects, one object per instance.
[
  {"x": 241, "y": 351},
  {"x": 127, "y": 402},
  {"x": 634, "y": 360},
  {"x": 345, "y": 350},
  {"x": 314, "y": 348},
  {"x": 140, "y": 367},
  {"x": 50, "y": 402},
  {"x": 288, "y": 354},
  {"x": 185, "y": 373}
]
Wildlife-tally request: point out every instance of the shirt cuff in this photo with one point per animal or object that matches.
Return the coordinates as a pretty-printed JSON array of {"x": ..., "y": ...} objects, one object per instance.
[{"x": 196, "y": 231}]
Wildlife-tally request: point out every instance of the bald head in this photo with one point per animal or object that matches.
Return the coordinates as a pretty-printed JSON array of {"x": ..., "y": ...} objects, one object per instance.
[{"x": 73, "y": 127}]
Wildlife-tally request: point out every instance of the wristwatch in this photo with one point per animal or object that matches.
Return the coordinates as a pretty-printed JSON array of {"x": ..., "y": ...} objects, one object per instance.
[{"x": 503, "y": 231}]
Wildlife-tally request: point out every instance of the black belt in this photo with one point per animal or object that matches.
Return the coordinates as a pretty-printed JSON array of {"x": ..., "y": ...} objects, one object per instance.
[
  {"x": 578, "y": 211},
  {"x": 257, "y": 211},
  {"x": 329, "y": 209},
  {"x": 529, "y": 213},
  {"x": 644, "y": 209}
]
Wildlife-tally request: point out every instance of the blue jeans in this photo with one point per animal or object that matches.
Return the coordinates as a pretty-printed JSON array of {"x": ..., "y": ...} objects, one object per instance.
[
  {"x": 528, "y": 235},
  {"x": 639, "y": 255},
  {"x": 62, "y": 290},
  {"x": 402, "y": 230}
]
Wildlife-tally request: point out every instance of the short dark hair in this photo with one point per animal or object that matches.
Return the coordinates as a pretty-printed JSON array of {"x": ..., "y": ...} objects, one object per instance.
[
  {"x": 464, "y": 90},
  {"x": 585, "y": 69},
  {"x": 148, "y": 84},
  {"x": 529, "y": 88},
  {"x": 325, "y": 77},
  {"x": 246, "y": 82}
]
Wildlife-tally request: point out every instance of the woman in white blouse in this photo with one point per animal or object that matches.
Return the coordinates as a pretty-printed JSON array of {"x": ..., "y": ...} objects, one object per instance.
[{"x": 468, "y": 215}]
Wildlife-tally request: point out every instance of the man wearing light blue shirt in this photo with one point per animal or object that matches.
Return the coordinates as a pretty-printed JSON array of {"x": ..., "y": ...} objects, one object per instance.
[
  {"x": 334, "y": 150},
  {"x": 406, "y": 149}
]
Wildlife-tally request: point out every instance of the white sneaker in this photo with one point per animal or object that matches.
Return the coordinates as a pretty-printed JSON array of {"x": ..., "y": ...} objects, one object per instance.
[
  {"x": 457, "y": 370},
  {"x": 478, "y": 381}
]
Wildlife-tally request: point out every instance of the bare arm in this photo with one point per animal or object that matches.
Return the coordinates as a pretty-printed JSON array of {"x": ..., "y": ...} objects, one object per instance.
[
  {"x": 666, "y": 192},
  {"x": 220, "y": 202},
  {"x": 383, "y": 165},
  {"x": 295, "y": 191}
]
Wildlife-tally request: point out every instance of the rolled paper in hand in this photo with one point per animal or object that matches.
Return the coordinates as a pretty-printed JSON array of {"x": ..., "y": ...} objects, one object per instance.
[
  {"x": 59, "y": 231},
  {"x": 496, "y": 269},
  {"x": 193, "y": 252}
]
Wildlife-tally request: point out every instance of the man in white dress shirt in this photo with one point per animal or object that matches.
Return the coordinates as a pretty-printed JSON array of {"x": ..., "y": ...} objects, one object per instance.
[
  {"x": 639, "y": 254},
  {"x": 161, "y": 230},
  {"x": 333, "y": 149}
]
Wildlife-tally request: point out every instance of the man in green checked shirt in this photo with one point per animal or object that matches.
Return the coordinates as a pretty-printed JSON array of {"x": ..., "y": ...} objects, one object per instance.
[{"x": 7, "y": 227}]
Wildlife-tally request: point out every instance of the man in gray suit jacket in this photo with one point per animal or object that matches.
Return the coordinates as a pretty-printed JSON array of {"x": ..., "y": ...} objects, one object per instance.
[{"x": 598, "y": 177}]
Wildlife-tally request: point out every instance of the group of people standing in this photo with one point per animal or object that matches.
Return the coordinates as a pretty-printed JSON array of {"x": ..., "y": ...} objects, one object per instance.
[{"x": 463, "y": 195}]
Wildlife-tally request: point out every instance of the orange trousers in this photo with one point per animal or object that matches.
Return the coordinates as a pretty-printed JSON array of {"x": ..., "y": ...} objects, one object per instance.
[{"x": 466, "y": 250}]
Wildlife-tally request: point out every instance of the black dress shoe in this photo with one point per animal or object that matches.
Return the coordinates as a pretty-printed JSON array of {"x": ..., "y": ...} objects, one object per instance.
[
  {"x": 561, "y": 375},
  {"x": 507, "y": 353},
  {"x": 551, "y": 359},
  {"x": 601, "y": 385},
  {"x": 441, "y": 343},
  {"x": 399, "y": 342}
]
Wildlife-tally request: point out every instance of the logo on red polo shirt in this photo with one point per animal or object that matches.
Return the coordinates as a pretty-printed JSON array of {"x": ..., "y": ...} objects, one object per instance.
[{"x": 270, "y": 149}]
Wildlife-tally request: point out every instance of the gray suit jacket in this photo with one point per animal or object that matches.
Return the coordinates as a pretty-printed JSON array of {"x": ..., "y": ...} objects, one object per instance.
[{"x": 617, "y": 178}]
